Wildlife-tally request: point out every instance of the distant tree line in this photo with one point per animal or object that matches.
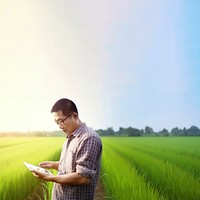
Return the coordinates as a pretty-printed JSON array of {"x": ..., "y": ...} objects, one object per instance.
[
  {"x": 32, "y": 134},
  {"x": 148, "y": 131}
]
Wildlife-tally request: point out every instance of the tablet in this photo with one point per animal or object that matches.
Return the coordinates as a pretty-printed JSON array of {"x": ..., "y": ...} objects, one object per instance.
[{"x": 40, "y": 169}]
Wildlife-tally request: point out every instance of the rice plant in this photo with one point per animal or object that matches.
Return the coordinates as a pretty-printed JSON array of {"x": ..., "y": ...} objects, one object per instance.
[
  {"x": 17, "y": 182},
  {"x": 172, "y": 180}
]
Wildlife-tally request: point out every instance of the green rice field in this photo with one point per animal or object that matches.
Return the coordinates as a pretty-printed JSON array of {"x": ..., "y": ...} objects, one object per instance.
[
  {"x": 133, "y": 168},
  {"x": 151, "y": 168},
  {"x": 17, "y": 182}
]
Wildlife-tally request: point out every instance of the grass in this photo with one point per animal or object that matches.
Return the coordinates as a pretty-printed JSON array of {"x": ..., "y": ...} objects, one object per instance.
[
  {"x": 154, "y": 168},
  {"x": 122, "y": 181},
  {"x": 17, "y": 182},
  {"x": 169, "y": 167}
]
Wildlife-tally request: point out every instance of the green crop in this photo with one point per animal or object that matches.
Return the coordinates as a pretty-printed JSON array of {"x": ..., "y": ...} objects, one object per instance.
[
  {"x": 154, "y": 168},
  {"x": 17, "y": 182},
  {"x": 168, "y": 168}
]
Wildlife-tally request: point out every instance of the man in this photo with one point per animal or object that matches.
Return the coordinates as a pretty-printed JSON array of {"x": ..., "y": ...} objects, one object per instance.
[{"x": 79, "y": 164}]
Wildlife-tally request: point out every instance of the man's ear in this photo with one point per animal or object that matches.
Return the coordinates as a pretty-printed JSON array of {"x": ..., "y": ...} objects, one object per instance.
[{"x": 75, "y": 115}]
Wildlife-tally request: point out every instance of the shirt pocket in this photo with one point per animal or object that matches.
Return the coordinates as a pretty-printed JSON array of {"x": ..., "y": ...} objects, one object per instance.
[
  {"x": 70, "y": 157},
  {"x": 70, "y": 161}
]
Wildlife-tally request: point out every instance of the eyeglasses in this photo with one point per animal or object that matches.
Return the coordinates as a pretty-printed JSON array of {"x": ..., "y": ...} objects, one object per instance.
[{"x": 62, "y": 121}]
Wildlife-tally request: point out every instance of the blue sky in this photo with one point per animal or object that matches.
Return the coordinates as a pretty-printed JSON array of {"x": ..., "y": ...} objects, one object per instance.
[{"x": 131, "y": 63}]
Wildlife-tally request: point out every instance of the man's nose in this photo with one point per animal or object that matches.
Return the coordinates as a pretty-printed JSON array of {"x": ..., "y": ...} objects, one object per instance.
[{"x": 61, "y": 126}]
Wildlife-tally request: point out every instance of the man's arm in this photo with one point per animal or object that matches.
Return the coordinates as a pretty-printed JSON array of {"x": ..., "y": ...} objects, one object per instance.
[{"x": 68, "y": 179}]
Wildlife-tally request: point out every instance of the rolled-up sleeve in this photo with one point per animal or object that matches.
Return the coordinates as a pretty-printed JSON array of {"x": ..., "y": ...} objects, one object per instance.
[{"x": 88, "y": 157}]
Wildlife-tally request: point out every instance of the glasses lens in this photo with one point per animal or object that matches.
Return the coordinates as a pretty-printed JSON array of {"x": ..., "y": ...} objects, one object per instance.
[{"x": 61, "y": 121}]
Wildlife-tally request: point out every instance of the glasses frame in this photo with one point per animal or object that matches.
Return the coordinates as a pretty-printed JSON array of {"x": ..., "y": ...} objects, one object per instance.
[{"x": 62, "y": 121}]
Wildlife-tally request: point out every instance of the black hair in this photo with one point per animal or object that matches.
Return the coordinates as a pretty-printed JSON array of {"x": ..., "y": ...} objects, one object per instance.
[{"x": 66, "y": 106}]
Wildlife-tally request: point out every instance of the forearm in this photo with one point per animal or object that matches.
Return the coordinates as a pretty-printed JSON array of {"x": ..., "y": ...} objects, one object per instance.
[{"x": 69, "y": 179}]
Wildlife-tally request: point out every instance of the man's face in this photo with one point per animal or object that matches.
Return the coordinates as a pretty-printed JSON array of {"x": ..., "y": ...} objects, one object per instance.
[{"x": 67, "y": 123}]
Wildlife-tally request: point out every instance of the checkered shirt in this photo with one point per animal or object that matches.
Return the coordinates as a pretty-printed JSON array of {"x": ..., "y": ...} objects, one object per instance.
[{"x": 81, "y": 153}]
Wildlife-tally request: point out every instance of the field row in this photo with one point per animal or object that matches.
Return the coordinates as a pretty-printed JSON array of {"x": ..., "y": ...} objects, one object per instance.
[
  {"x": 132, "y": 168},
  {"x": 151, "y": 168},
  {"x": 16, "y": 180}
]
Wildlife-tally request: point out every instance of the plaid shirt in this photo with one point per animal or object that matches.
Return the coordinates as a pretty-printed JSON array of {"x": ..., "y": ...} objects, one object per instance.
[{"x": 81, "y": 153}]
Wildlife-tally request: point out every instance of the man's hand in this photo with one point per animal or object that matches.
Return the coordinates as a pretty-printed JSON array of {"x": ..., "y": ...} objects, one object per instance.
[
  {"x": 42, "y": 175},
  {"x": 46, "y": 164},
  {"x": 49, "y": 164}
]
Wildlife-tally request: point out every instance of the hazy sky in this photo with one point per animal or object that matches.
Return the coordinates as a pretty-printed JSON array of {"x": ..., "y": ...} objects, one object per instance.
[{"x": 124, "y": 63}]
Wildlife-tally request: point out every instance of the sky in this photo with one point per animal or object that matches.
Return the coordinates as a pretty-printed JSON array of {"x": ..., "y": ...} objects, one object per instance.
[{"x": 124, "y": 63}]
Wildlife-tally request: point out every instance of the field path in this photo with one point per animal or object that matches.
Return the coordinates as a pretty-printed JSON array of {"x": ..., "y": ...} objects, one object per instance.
[{"x": 99, "y": 193}]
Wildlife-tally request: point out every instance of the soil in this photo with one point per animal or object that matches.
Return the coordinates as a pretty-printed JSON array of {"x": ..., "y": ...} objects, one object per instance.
[{"x": 99, "y": 192}]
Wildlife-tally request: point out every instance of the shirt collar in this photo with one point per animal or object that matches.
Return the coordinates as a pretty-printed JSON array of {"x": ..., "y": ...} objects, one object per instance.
[{"x": 78, "y": 131}]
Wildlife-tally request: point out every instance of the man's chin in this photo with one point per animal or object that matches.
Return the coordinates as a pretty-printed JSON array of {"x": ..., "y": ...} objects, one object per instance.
[{"x": 66, "y": 132}]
